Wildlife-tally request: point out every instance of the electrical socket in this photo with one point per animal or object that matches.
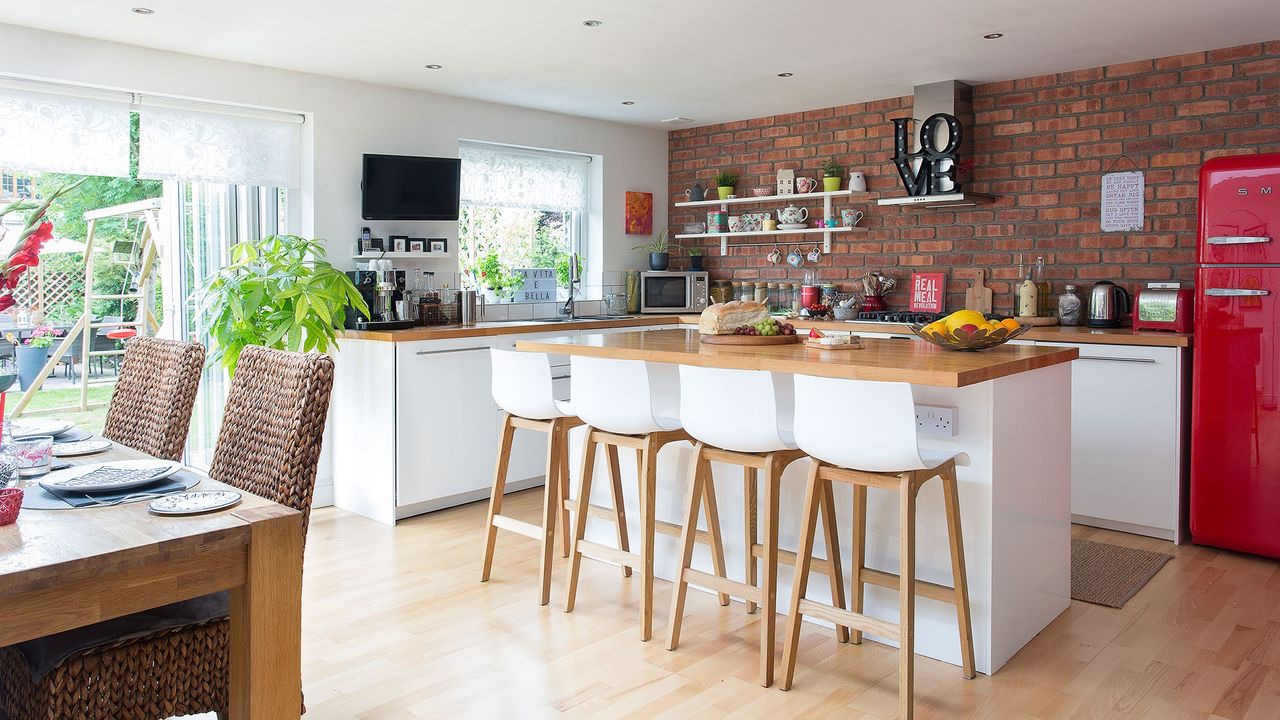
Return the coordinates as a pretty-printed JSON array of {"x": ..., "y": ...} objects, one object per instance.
[{"x": 936, "y": 420}]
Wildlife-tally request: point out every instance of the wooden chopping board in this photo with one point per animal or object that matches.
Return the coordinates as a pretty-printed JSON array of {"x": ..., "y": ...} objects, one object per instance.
[
  {"x": 978, "y": 296},
  {"x": 749, "y": 339}
]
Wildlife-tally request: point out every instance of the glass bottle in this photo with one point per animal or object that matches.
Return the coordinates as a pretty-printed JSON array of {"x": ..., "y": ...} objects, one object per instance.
[
  {"x": 1042, "y": 289},
  {"x": 1069, "y": 307}
]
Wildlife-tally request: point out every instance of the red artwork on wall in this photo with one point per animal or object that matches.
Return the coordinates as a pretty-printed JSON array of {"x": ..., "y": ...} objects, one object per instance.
[
  {"x": 928, "y": 291},
  {"x": 639, "y": 213}
]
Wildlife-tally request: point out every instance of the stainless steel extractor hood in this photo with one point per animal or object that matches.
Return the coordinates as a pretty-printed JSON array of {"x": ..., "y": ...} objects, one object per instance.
[{"x": 954, "y": 98}]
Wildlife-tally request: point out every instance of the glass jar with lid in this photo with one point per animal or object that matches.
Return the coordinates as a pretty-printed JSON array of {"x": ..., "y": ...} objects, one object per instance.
[
  {"x": 721, "y": 291},
  {"x": 796, "y": 299},
  {"x": 761, "y": 293},
  {"x": 772, "y": 294},
  {"x": 1069, "y": 305}
]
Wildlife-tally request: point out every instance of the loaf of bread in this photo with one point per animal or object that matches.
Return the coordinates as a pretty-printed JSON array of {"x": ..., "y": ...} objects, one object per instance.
[{"x": 724, "y": 318}]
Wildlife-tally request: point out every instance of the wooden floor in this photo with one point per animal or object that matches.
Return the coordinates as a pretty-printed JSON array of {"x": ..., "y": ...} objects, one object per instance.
[{"x": 397, "y": 625}]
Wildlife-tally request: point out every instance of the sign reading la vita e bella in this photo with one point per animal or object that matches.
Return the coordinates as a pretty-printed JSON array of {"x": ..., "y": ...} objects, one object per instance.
[{"x": 937, "y": 170}]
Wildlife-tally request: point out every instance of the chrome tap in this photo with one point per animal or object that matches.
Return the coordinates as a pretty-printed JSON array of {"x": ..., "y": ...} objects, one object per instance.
[{"x": 570, "y": 308}]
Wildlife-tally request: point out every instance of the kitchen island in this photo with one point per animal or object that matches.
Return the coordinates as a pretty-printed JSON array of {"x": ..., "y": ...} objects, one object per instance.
[{"x": 1013, "y": 419}]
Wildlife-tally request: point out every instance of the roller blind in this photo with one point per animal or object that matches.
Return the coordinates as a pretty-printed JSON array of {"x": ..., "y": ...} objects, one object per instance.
[
  {"x": 503, "y": 176},
  {"x": 48, "y": 132},
  {"x": 242, "y": 149}
]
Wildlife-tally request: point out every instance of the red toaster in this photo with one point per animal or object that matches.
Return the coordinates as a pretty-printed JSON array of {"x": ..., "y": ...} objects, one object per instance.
[{"x": 1164, "y": 306}]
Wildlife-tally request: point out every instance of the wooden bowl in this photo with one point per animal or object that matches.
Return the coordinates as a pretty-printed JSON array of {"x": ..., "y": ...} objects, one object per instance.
[{"x": 961, "y": 340}]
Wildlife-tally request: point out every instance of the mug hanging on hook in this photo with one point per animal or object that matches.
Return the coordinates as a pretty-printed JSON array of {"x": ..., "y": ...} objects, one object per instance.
[
  {"x": 774, "y": 256},
  {"x": 814, "y": 254},
  {"x": 794, "y": 258}
]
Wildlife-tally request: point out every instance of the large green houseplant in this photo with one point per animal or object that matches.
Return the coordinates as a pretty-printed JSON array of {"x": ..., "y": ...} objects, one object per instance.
[{"x": 279, "y": 292}]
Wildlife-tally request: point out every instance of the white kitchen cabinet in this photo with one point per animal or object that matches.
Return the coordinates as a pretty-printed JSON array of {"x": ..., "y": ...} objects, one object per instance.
[{"x": 1128, "y": 455}]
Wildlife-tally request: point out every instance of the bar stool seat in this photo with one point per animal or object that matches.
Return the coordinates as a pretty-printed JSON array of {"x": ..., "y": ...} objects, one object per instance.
[
  {"x": 742, "y": 417},
  {"x": 522, "y": 388},
  {"x": 631, "y": 404},
  {"x": 875, "y": 450}
]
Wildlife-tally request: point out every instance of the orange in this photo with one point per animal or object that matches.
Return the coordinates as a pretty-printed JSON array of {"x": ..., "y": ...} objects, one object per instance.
[{"x": 1009, "y": 324}]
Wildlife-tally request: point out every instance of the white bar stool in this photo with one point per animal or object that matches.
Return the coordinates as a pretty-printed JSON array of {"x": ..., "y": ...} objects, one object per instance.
[
  {"x": 742, "y": 417},
  {"x": 631, "y": 404},
  {"x": 522, "y": 387},
  {"x": 874, "y": 449}
]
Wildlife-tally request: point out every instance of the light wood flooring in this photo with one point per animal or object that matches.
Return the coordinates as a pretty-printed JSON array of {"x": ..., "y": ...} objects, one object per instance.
[{"x": 396, "y": 625}]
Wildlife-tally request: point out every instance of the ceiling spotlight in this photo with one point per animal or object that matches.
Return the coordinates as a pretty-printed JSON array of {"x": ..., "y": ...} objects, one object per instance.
[
  {"x": 142, "y": 11},
  {"x": 628, "y": 102},
  {"x": 785, "y": 74},
  {"x": 993, "y": 36},
  {"x": 433, "y": 66},
  {"x": 592, "y": 23}
]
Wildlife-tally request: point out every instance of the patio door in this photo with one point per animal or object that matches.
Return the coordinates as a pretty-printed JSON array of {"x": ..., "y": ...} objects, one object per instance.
[{"x": 205, "y": 220}]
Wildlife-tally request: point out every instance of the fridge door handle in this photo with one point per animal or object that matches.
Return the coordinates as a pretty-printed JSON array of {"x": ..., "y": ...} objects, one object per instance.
[
  {"x": 1235, "y": 292},
  {"x": 1237, "y": 239}
]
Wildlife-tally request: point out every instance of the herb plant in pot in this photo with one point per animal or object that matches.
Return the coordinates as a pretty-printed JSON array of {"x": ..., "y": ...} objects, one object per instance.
[
  {"x": 725, "y": 183},
  {"x": 659, "y": 250},
  {"x": 695, "y": 259},
  {"x": 278, "y": 292},
  {"x": 831, "y": 174}
]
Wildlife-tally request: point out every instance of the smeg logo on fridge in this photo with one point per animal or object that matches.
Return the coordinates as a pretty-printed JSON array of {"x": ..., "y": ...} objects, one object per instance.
[{"x": 1244, "y": 191}]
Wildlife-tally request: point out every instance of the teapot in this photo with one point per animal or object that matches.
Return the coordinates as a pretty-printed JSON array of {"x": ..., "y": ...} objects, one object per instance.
[
  {"x": 792, "y": 215},
  {"x": 695, "y": 194}
]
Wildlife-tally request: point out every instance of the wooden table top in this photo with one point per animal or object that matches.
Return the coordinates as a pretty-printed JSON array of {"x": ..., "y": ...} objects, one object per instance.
[
  {"x": 59, "y": 543},
  {"x": 886, "y": 360}
]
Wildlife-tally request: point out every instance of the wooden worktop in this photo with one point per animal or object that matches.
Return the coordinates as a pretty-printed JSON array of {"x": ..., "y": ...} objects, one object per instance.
[{"x": 887, "y": 360}]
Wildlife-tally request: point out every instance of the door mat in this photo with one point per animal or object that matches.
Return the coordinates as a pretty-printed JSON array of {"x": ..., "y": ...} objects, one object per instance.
[{"x": 1106, "y": 574}]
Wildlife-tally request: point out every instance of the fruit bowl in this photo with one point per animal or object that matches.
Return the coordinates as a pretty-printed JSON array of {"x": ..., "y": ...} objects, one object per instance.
[{"x": 959, "y": 339}]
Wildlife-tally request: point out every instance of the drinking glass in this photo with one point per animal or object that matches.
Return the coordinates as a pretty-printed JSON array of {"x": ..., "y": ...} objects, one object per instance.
[{"x": 33, "y": 455}]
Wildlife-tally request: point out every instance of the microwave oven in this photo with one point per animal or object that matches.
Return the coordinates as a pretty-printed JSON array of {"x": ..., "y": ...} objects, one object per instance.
[{"x": 673, "y": 292}]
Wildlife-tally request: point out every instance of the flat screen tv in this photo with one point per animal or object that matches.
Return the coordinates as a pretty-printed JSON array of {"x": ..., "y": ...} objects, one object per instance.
[{"x": 399, "y": 187}]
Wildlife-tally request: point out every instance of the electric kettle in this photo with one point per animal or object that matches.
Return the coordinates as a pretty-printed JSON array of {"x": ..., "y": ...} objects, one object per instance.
[{"x": 1108, "y": 305}]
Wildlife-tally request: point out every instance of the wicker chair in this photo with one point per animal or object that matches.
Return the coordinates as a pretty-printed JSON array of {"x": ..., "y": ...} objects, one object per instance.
[
  {"x": 269, "y": 445},
  {"x": 151, "y": 406}
]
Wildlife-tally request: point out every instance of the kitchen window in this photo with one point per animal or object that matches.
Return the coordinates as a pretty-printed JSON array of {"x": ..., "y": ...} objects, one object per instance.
[{"x": 520, "y": 208}]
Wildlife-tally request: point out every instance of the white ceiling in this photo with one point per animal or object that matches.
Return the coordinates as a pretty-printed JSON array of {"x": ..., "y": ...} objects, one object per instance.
[{"x": 711, "y": 60}]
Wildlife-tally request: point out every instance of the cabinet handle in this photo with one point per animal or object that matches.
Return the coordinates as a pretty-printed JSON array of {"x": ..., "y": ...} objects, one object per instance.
[
  {"x": 1150, "y": 361},
  {"x": 1235, "y": 292},
  {"x": 1237, "y": 240},
  {"x": 901, "y": 337},
  {"x": 559, "y": 377},
  {"x": 457, "y": 350}
]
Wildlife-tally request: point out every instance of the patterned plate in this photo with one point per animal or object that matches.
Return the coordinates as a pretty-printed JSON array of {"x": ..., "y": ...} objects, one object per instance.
[
  {"x": 29, "y": 427},
  {"x": 111, "y": 476},
  {"x": 82, "y": 447},
  {"x": 194, "y": 503}
]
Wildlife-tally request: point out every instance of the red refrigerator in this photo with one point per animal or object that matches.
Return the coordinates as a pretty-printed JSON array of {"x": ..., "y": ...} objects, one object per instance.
[{"x": 1235, "y": 426}]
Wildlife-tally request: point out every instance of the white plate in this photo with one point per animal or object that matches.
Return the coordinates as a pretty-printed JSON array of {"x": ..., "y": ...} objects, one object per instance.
[
  {"x": 65, "y": 480},
  {"x": 31, "y": 427},
  {"x": 793, "y": 226},
  {"x": 194, "y": 503},
  {"x": 81, "y": 447}
]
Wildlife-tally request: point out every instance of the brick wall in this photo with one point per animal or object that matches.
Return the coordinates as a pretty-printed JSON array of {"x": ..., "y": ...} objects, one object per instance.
[{"x": 1041, "y": 146}]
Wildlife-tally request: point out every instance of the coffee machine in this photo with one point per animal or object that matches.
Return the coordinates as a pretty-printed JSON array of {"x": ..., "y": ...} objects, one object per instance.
[{"x": 383, "y": 291}]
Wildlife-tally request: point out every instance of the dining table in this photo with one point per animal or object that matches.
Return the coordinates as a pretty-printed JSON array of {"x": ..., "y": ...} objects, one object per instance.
[{"x": 62, "y": 569}]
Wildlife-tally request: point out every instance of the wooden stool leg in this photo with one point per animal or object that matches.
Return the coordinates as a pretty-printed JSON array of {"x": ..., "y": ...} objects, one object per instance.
[
  {"x": 959, "y": 576},
  {"x": 495, "y": 495},
  {"x": 804, "y": 557},
  {"x": 647, "y": 511},
  {"x": 580, "y": 518},
  {"x": 552, "y": 506},
  {"x": 688, "y": 534},
  {"x": 907, "y": 597},
  {"x": 749, "y": 491},
  {"x": 562, "y": 477},
  {"x": 769, "y": 570},
  {"x": 619, "y": 506},
  {"x": 831, "y": 532},
  {"x": 713, "y": 527},
  {"x": 859, "y": 554}
]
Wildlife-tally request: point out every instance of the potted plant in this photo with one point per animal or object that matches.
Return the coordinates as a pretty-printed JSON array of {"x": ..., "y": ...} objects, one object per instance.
[
  {"x": 695, "y": 259},
  {"x": 278, "y": 292},
  {"x": 831, "y": 171},
  {"x": 659, "y": 250},
  {"x": 725, "y": 183},
  {"x": 33, "y": 353},
  {"x": 491, "y": 274}
]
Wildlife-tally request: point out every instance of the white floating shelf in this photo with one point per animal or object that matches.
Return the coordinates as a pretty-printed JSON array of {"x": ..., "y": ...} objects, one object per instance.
[
  {"x": 741, "y": 200},
  {"x": 754, "y": 233},
  {"x": 402, "y": 256}
]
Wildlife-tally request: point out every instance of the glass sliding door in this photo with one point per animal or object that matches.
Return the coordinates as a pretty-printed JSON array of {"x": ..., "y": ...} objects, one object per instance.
[{"x": 206, "y": 220}]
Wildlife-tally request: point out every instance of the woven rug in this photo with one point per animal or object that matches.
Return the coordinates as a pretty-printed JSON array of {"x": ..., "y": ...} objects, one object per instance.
[{"x": 1106, "y": 574}]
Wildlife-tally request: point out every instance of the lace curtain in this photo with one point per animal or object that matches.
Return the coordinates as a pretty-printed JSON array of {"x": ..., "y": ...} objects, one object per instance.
[
  {"x": 191, "y": 145},
  {"x": 42, "y": 132},
  {"x": 495, "y": 176}
]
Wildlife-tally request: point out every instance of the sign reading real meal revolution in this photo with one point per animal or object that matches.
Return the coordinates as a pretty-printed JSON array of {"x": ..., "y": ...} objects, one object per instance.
[
  {"x": 539, "y": 285},
  {"x": 1122, "y": 201}
]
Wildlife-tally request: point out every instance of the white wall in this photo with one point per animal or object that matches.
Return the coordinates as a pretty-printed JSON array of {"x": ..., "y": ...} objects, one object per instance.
[
  {"x": 350, "y": 118},
  {"x": 347, "y": 119}
]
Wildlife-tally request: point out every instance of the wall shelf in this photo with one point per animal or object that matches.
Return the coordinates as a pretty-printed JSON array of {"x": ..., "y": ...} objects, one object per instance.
[
  {"x": 795, "y": 198},
  {"x": 818, "y": 195},
  {"x": 391, "y": 255}
]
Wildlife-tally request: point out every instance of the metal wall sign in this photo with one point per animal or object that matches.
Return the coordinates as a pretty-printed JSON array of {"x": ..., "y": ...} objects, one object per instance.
[
  {"x": 932, "y": 169},
  {"x": 1123, "y": 201}
]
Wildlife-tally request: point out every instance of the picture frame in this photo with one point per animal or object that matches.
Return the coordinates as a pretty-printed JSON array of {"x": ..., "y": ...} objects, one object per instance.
[
  {"x": 397, "y": 243},
  {"x": 438, "y": 246},
  {"x": 417, "y": 246}
]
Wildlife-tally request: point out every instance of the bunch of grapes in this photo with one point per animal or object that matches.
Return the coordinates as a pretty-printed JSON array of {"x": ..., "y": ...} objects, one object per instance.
[{"x": 766, "y": 328}]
